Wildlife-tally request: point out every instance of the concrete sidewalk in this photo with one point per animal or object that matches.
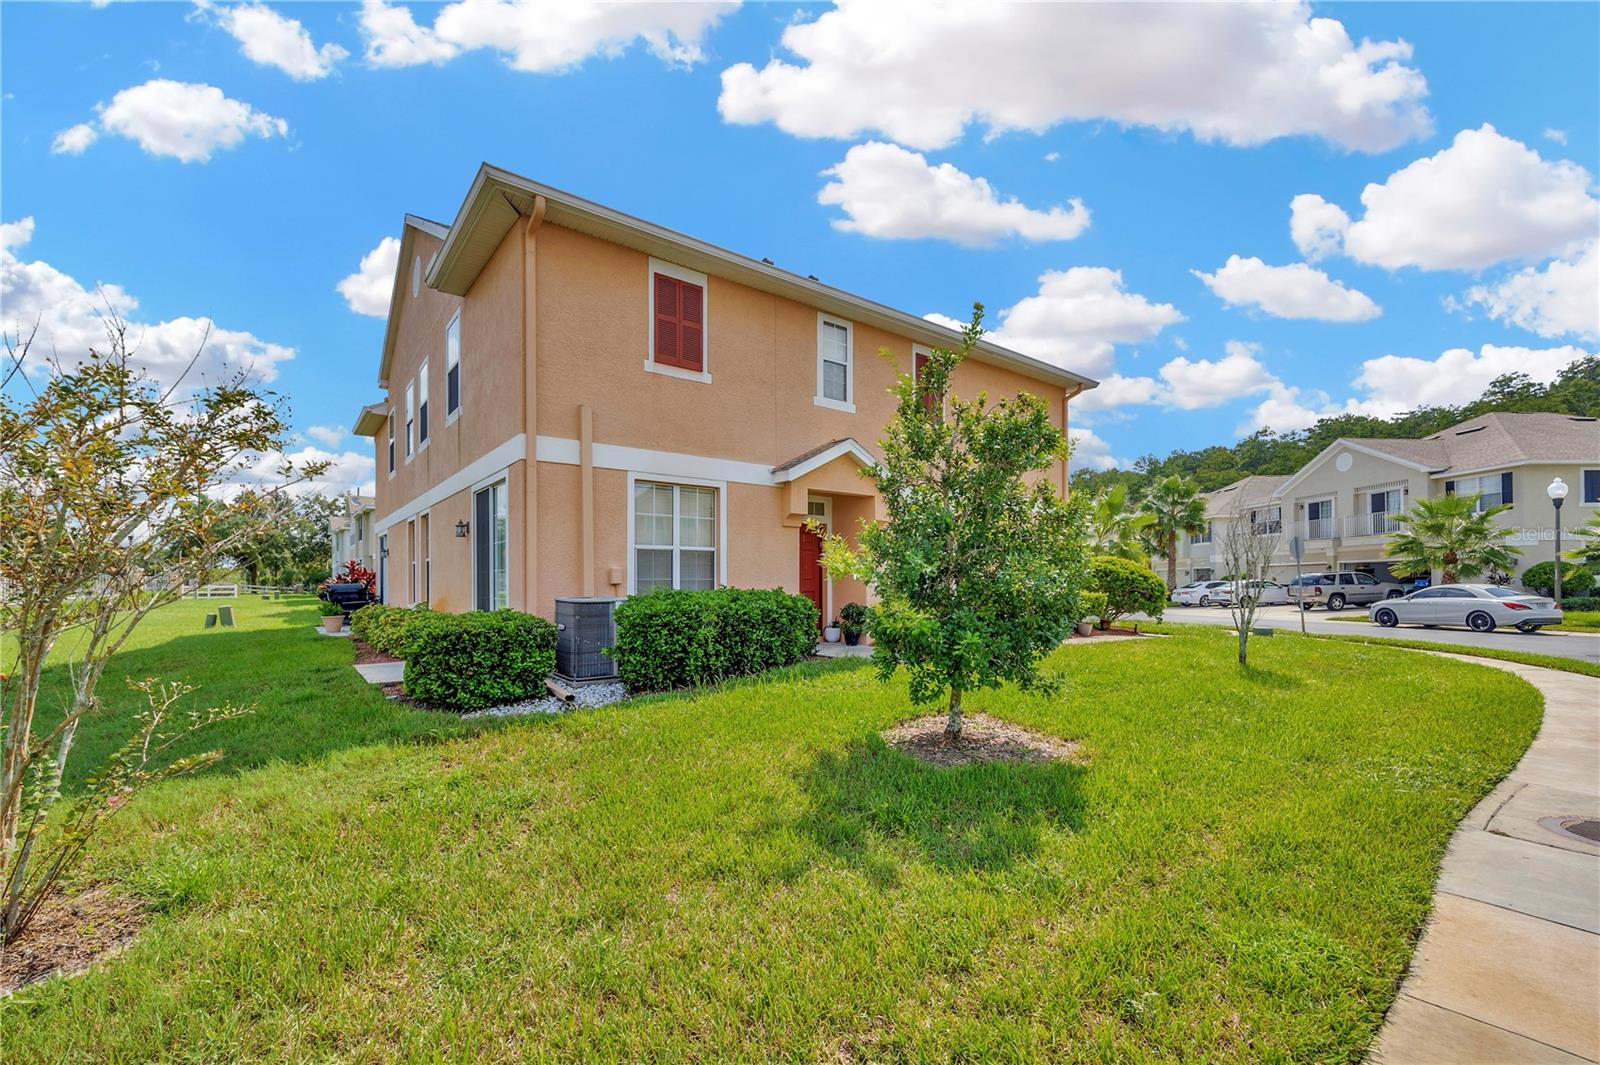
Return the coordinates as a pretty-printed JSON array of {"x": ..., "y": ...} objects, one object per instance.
[{"x": 1508, "y": 968}]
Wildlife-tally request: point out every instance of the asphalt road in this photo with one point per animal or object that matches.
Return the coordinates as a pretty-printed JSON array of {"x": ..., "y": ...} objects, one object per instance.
[{"x": 1580, "y": 645}]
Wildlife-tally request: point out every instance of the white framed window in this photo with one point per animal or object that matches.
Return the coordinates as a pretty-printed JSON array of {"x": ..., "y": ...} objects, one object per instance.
[
  {"x": 1203, "y": 537},
  {"x": 676, "y": 534},
  {"x": 679, "y": 313},
  {"x": 452, "y": 368},
  {"x": 427, "y": 556},
  {"x": 1489, "y": 488},
  {"x": 490, "y": 557},
  {"x": 411, "y": 561},
  {"x": 1266, "y": 520},
  {"x": 1590, "y": 494},
  {"x": 411, "y": 419},
  {"x": 390, "y": 420},
  {"x": 835, "y": 365},
  {"x": 1319, "y": 519},
  {"x": 422, "y": 406}
]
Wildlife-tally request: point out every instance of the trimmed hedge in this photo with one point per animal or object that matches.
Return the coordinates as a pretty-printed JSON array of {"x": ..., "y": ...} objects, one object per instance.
[
  {"x": 485, "y": 658},
  {"x": 676, "y": 639},
  {"x": 1128, "y": 588},
  {"x": 390, "y": 629},
  {"x": 1579, "y": 602},
  {"x": 1576, "y": 581}
]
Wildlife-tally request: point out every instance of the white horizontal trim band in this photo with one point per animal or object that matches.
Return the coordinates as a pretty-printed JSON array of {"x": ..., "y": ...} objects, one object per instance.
[{"x": 513, "y": 450}]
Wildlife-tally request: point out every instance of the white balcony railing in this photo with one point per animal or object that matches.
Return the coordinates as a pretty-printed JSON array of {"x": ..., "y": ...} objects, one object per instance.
[
  {"x": 1374, "y": 525},
  {"x": 1317, "y": 529}
]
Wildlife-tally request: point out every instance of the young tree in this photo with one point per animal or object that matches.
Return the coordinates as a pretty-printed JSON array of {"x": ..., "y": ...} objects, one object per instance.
[
  {"x": 1115, "y": 524},
  {"x": 1175, "y": 509},
  {"x": 103, "y": 478},
  {"x": 1245, "y": 551},
  {"x": 1449, "y": 534},
  {"x": 1588, "y": 549},
  {"x": 979, "y": 567}
]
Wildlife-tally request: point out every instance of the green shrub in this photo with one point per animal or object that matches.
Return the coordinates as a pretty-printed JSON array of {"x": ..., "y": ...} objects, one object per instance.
[
  {"x": 363, "y": 620},
  {"x": 676, "y": 639},
  {"x": 1576, "y": 581},
  {"x": 1579, "y": 602},
  {"x": 1091, "y": 605},
  {"x": 477, "y": 660},
  {"x": 390, "y": 629},
  {"x": 1128, "y": 588},
  {"x": 852, "y": 619}
]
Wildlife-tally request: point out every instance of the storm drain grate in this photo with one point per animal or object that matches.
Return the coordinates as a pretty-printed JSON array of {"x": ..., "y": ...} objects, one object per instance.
[{"x": 1586, "y": 829}]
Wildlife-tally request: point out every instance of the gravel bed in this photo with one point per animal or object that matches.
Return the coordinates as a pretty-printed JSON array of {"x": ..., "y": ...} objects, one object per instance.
[{"x": 584, "y": 697}]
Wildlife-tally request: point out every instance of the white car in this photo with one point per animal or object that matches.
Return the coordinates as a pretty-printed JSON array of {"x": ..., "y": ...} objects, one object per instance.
[
  {"x": 1266, "y": 593},
  {"x": 1200, "y": 593},
  {"x": 1480, "y": 607}
]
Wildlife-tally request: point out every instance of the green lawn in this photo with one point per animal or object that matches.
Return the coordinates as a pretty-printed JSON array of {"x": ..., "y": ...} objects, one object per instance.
[
  {"x": 309, "y": 700},
  {"x": 749, "y": 874}
]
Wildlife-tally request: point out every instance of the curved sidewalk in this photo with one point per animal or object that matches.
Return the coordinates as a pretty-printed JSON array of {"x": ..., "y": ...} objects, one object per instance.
[{"x": 1508, "y": 967}]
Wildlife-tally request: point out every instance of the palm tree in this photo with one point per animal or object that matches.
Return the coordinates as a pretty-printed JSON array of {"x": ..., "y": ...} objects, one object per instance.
[
  {"x": 1451, "y": 535},
  {"x": 1174, "y": 508},
  {"x": 1114, "y": 525},
  {"x": 1588, "y": 549}
]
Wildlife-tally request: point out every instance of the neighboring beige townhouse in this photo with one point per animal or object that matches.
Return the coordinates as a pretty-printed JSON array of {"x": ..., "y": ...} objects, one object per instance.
[
  {"x": 1342, "y": 504},
  {"x": 578, "y": 402},
  {"x": 352, "y": 533},
  {"x": 1252, "y": 498}
]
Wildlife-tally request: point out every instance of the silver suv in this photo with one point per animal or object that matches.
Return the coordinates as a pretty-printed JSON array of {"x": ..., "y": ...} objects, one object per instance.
[{"x": 1338, "y": 590}]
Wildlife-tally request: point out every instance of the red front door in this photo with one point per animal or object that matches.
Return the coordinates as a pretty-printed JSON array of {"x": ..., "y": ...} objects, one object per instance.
[{"x": 811, "y": 571}]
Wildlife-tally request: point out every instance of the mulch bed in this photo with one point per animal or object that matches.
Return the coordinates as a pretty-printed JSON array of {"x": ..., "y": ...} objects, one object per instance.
[
  {"x": 68, "y": 935},
  {"x": 366, "y": 655},
  {"x": 983, "y": 739}
]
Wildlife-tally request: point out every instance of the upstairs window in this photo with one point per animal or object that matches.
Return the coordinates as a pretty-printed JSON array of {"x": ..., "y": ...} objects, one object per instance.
[
  {"x": 411, "y": 419},
  {"x": 1591, "y": 486},
  {"x": 390, "y": 419},
  {"x": 678, "y": 338},
  {"x": 422, "y": 404},
  {"x": 833, "y": 363},
  {"x": 1492, "y": 489},
  {"x": 452, "y": 367}
]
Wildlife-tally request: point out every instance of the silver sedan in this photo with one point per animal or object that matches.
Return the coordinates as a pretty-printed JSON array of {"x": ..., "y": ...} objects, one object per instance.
[{"x": 1479, "y": 607}]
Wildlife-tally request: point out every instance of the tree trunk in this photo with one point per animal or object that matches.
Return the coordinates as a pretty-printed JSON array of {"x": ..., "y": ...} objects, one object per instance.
[
  {"x": 952, "y": 724},
  {"x": 1244, "y": 639},
  {"x": 1172, "y": 562}
]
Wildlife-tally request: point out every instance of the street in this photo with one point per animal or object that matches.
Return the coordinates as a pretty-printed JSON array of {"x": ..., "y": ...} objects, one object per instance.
[{"x": 1580, "y": 645}]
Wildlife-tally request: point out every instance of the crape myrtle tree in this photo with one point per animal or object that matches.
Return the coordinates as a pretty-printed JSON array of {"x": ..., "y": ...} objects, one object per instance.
[
  {"x": 1245, "y": 551},
  {"x": 105, "y": 476},
  {"x": 978, "y": 569},
  {"x": 1450, "y": 534}
]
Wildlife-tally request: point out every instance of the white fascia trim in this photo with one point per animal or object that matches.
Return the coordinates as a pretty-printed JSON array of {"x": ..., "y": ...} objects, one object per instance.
[
  {"x": 1450, "y": 474},
  {"x": 822, "y": 458},
  {"x": 486, "y": 467},
  {"x": 634, "y": 477},
  {"x": 668, "y": 465}
]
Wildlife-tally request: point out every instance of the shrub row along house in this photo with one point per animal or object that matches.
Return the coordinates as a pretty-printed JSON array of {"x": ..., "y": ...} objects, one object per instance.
[
  {"x": 578, "y": 402},
  {"x": 1343, "y": 503}
]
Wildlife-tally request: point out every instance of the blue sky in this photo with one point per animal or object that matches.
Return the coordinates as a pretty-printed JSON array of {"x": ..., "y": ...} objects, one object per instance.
[{"x": 235, "y": 164}]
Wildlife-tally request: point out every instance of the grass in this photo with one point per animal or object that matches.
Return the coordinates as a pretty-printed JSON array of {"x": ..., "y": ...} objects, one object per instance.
[
  {"x": 1566, "y": 665},
  {"x": 748, "y": 873},
  {"x": 309, "y": 701}
]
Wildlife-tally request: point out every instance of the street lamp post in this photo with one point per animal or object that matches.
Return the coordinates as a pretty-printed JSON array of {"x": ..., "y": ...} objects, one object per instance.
[{"x": 1557, "y": 491}]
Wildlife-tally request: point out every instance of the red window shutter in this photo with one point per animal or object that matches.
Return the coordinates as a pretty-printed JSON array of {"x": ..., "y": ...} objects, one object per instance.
[
  {"x": 692, "y": 324},
  {"x": 930, "y": 402},
  {"x": 667, "y": 309}
]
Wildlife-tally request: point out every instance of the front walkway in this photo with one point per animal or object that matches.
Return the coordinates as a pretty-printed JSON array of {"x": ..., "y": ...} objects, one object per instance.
[{"x": 1508, "y": 968}]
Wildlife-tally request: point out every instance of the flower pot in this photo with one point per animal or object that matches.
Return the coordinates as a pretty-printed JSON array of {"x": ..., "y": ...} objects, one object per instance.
[
  {"x": 333, "y": 623},
  {"x": 852, "y": 638},
  {"x": 830, "y": 634},
  {"x": 1085, "y": 628}
]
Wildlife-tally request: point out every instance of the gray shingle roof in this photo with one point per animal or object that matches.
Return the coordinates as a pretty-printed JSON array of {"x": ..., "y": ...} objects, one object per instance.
[
  {"x": 1498, "y": 440},
  {"x": 1245, "y": 492}
]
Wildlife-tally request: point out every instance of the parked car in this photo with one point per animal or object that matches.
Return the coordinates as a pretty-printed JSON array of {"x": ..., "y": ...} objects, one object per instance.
[
  {"x": 1338, "y": 590},
  {"x": 1480, "y": 607},
  {"x": 1200, "y": 593},
  {"x": 1266, "y": 593}
]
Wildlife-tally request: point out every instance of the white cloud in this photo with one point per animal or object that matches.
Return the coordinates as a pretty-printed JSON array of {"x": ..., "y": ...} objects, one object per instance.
[
  {"x": 1202, "y": 383},
  {"x": 70, "y": 320},
  {"x": 327, "y": 435},
  {"x": 1317, "y": 226},
  {"x": 1484, "y": 199},
  {"x": 1287, "y": 409},
  {"x": 347, "y": 471},
  {"x": 367, "y": 290},
  {"x": 1115, "y": 390},
  {"x": 1088, "y": 450},
  {"x": 538, "y": 37},
  {"x": 1557, "y": 135},
  {"x": 1051, "y": 157},
  {"x": 1078, "y": 317},
  {"x": 74, "y": 140},
  {"x": 1293, "y": 291},
  {"x": 275, "y": 40},
  {"x": 1395, "y": 383},
  {"x": 1236, "y": 73},
  {"x": 1562, "y": 298},
  {"x": 895, "y": 194},
  {"x": 185, "y": 120}
]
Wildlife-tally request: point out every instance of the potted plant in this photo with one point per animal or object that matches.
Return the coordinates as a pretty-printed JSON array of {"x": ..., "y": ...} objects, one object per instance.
[
  {"x": 333, "y": 623},
  {"x": 830, "y": 632},
  {"x": 852, "y": 622}
]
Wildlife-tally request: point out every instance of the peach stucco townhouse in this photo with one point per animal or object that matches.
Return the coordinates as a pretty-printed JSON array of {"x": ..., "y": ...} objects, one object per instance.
[{"x": 577, "y": 402}]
